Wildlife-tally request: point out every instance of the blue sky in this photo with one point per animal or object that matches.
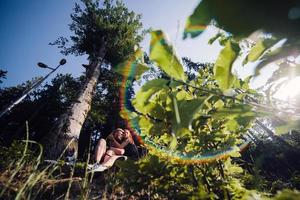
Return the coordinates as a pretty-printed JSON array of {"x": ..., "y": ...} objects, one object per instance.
[{"x": 28, "y": 26}]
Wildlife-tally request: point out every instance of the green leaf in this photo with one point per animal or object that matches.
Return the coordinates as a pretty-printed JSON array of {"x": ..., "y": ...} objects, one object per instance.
[
  {"x": 132, "y": 67},
  {"x": 235, "y": 111},
  {"x": 219, "y": 104},
  {"x": 232, "y": 125},
  {"x": 198, "y": 21},
  {"x": 259, "y": 48},
  {"x": 183, "y": 132},
  {"x": 173, "y": 143},
  {"x": 158, "y": 128},
  {"x": 223, "y": 65},
  {"x": 164, "y": 55},
  {"x": 235, "y": 153},
  {"x": 141, "y": 101},
  {"x": 245, "y": 83},
  {"x": 127, "y": 115},
  {"x": 145, "y": 125},
  {"x": 188, "y": 110},
  {"x": 155, "y": 110},
  {"x": 213, "y": 39},
  {"x": 183, "y": 95}
]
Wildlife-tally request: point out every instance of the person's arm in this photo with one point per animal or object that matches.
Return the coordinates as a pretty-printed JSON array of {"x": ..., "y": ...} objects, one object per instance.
[
  {"x": 125, "y": 143},
  {"x": 128, "y": 139},
  {"x": 115, "y": 143}
]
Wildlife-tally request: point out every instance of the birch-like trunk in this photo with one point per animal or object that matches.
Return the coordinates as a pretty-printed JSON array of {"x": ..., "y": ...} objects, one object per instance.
[{"x": 65, "y": 136}]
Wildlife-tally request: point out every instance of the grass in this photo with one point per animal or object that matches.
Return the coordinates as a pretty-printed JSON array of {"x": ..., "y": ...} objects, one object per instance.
[{"x": 24, "y": 175}]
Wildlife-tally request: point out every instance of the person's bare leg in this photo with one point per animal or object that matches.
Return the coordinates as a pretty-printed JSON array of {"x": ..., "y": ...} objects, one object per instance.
[
  {"x": 100, "y": 150},
  {"x": 110, "y": 158},
  {"x": 109, "y": 153},
  {"x": 118, "y": 151}
]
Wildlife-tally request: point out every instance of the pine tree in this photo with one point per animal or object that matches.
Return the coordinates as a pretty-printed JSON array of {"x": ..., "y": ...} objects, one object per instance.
[{"x": 107, "y": 32}]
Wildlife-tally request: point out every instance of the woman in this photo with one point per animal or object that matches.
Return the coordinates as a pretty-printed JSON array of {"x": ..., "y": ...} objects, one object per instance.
[{"x": 107, "y": 152}]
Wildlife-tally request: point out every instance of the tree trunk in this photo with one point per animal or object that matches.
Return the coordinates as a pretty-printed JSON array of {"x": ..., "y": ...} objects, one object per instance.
[{"x": 66, "y": 134}]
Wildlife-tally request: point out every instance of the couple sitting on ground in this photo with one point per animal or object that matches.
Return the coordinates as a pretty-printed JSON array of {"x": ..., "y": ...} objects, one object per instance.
[{"x": 119, "y": 144}]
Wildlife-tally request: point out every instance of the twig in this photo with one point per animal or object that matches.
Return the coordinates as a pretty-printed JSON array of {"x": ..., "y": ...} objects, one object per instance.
[{"x": 49, "y": 181}]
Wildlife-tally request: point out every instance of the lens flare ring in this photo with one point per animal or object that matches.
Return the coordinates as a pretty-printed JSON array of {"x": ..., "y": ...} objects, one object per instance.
[{"x": 129, "y": 72}]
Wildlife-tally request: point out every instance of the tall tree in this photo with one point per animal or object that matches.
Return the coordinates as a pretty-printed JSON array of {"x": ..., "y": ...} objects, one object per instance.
[
  {"x": 2, "y": 75},
  {"x": 107, "y": 32}
]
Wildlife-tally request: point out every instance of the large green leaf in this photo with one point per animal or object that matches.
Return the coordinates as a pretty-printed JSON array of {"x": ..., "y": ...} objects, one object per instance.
[
  {"x": 163, "y": 54},
  {"x": 141, "y": 101},
  {"x": 188, "y": 110},
  {"x": 259, "y": 48},
  {"x": 198, "y": 21},
  {"x": 223, "y": 65}
]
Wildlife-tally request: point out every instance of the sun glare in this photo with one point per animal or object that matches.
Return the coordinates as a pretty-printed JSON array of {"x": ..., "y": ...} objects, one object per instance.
[{"x": 289, "y": 91}]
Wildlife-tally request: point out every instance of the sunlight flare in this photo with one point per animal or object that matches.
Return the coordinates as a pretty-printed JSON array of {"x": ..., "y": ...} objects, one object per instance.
[{"x": 289, "y": 90}]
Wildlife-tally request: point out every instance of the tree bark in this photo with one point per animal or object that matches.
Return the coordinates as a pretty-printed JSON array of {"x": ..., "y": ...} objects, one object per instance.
[{"x": 64, "y": 138}]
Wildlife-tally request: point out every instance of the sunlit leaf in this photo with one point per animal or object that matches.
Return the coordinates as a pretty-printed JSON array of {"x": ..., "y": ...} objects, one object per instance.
[
  {"x": 232, "y": 125},
  {"x": 134, "y": 70},
  {"x": 145, "y": 125},
  {"x": 245, "y": 121},
  {"x": 173, "y": 143},
  {"x": 188, "y": 110},
  {"x": 145, "y": 93},
  {"x": 229, "y": 92},
  {"x": 219, "y": 104},
  {"x": 198, "y": 21},
  {"x": 243, "y": 84},
  {"x": 155, "y": 110},
  {"x": 235, "y": 153},
  {"x": 223, "y": 65},
  {"x": 164, "y": 55},
  {"x": 259, "y": 48},
  {"x": 127, "y": 115},
  {"x": 183, "y": 132},
  {"x": 132, "y": 67},
  {"x": 184, "y": 95},
  {"x": 213, "y": 39},
  {"x": 235, "y": 111}
]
